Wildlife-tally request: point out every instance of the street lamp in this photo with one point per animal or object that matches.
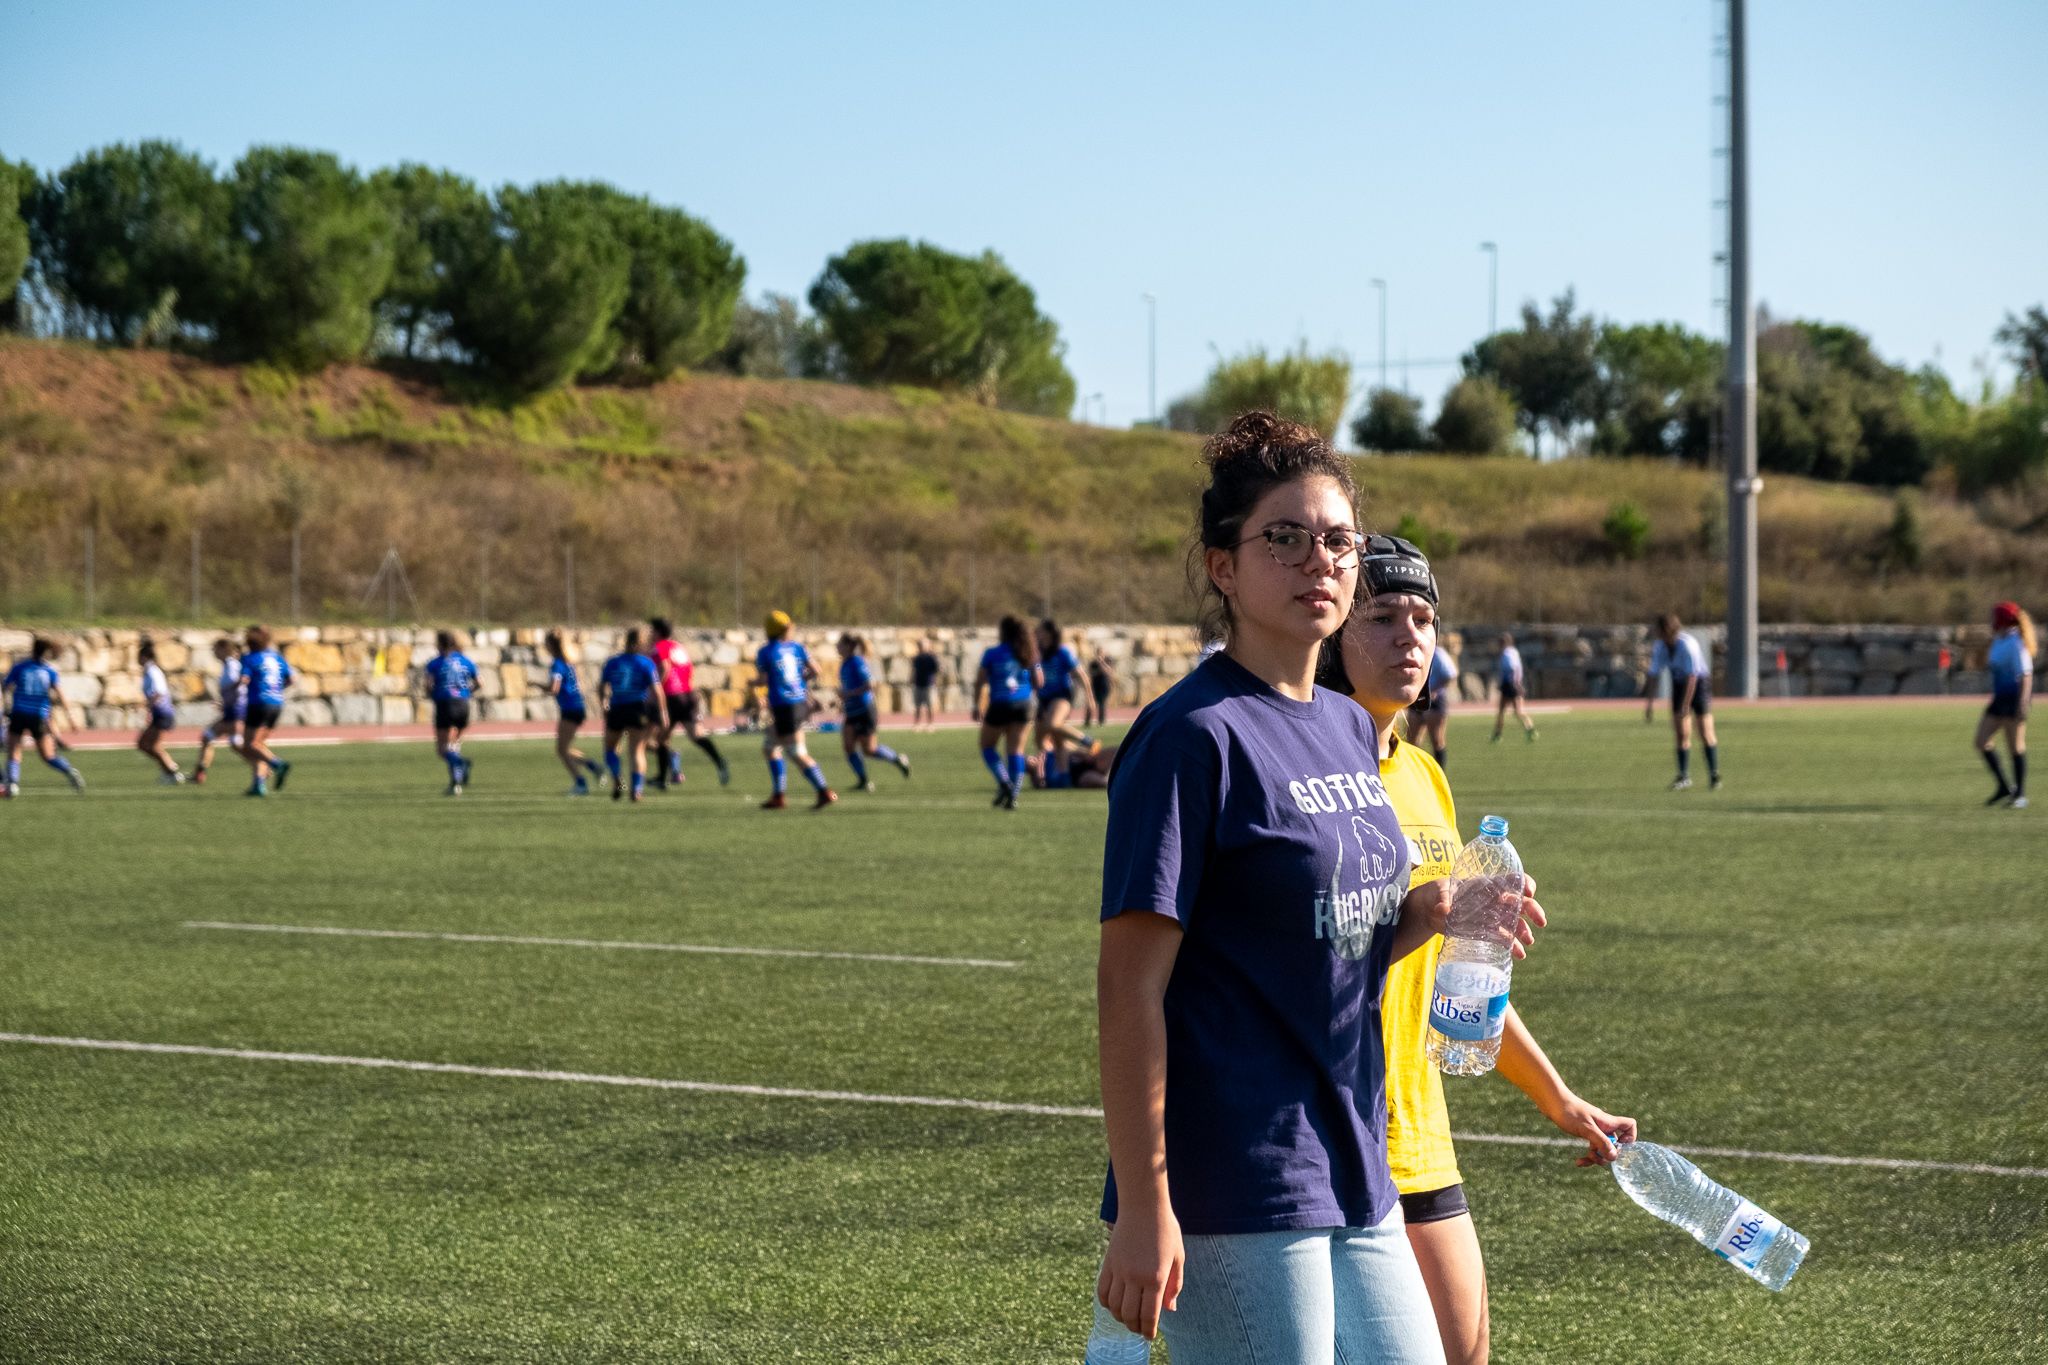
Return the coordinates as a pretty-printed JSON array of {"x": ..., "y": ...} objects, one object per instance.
[
  {"x": 1381, "y": 285},
  {"x": 1152, "y": 356},
  {"x": 1492, "y": 285}
]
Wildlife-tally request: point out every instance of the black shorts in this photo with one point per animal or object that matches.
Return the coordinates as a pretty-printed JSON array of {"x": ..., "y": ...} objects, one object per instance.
[
  {"x": 575, "y": 715},
  {"x": 262, "y": 715},
  {"x": 1003, "y": 714},
  {"x": 1418, "y": 710},
  {"x": 1702, "y": 694},
  {"x": 1046, "y": 699},
  {"x": 628, "y": 715},
  {"x": 25, "y": 723},
  {"x": 860, "y": 724},
  {"x": 682, "y": 708},
  {"x": 2004, "y": 706},
  {"x": 229, "y": 719},
  {"x": 162, "y": 718},
  {"x": 1510, "y": 691},
  {"x": 1433, "y": 1206},
  {"x": 451, "y": 715},
  {"x": 788, "y": 718},
  {"x": 1101, "y": 691}
]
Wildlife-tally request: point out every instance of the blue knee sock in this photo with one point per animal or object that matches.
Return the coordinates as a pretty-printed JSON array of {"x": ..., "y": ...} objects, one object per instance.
[
  {"x": 779, "y": 771},
  {"x": 453, "y": 758},
  {"x": 611, "y": 763},
  {"x": 61, "y": 764},
  {"x": 14, "y": 770},
  {"x": 887, "y": 754},
  {"x": 1017, "y": 770},
  {"x": 860, "y": 767},
  {"x": 816, "y": 775},
  {"x": 994, "y": 761},
  {"x": 639, "y": 783}
]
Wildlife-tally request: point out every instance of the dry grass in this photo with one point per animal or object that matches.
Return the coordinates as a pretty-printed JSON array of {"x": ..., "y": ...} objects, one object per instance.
[{"x": 840, "y": 503}]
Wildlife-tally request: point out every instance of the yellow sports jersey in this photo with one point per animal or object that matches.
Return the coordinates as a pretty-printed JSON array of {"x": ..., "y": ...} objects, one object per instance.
[{"x": 1418, "y": 1126}]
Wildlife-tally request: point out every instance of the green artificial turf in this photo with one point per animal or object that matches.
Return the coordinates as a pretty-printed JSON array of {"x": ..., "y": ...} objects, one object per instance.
[{"x": 1840, "y": 953}]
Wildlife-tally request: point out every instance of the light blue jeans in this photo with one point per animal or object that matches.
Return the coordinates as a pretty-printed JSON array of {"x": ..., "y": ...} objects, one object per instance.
[{"x": 1315, "y": 1296}]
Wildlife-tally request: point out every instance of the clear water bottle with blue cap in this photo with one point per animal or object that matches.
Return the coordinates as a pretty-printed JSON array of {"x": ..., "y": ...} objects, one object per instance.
[
  {"x": 1719, "y": 1219},
  {"x": 1468, "y": 1001}
]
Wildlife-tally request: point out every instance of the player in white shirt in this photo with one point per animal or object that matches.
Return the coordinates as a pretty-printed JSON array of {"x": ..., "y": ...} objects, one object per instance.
[
  {"x": 156, "y": 694},
  {"x": 1692, "y": 694},
  {"x": 1510, "y": 684}
]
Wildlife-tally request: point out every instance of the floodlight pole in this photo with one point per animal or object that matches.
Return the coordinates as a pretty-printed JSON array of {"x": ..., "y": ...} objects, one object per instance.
[
  {"x": 1151, "y": 358},
  {"x": 1492, "y": 286},
  {"x": 1743, "y": 483},
  {"x": 1381, "y": 286}
]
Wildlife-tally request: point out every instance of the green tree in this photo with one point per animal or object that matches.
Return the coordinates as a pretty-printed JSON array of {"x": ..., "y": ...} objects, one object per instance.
[
  {"x": 1298, "y": 384},
  {"x": 683, "y": 281},
  {"x": 2025, "y": 338},
  {"x": 124, "y": 233},
  {"x": 309, "y": 255},
  {"x": 1391, "y": 421},
  {"x": 430, "y": 210},
  {"x": 1830, "y": 408},
  {"x": 533, "y": 289},
  {"x": 1476, "y": 418},
  {"x": 776, "y": 339},
  {"x": 1548, "y": 368},
  {"x": 16, "y": 182},
  {"x": 1658, "y": 393},
  {"x": 901, "y": 312}
]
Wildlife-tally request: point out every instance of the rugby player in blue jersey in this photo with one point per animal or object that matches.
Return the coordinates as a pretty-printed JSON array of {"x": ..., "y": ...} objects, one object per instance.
[
  {"x": 567, "y": 690},
  {"x": 628, "y": 687},
  {"x": 2012, "y": 694},
  {"x": 451, "y": 682},
  {"x": 785, "y": 673},
  {"x": 1003, "y": 685},
  {"x": 857, "y": 701},
  {"x": 1059, "y": 669},
  {"x": 228, "y": 727},
  {"x": 265, "y": 676},
  {"x": 32, "y": 689}
]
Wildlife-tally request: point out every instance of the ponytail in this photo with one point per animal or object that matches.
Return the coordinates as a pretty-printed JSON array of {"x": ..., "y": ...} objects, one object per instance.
[{"x": 2026, "y": 627}]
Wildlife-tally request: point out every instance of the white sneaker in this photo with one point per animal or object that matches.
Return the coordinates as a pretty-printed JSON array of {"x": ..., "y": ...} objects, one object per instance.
[
  {"x": 171, "y": 780},
  {"x": 2019, "y": 803},
  {"x": 10, "y": 790},
  {"x": 77, "y": 780},
  {"x": 1679, "y": 784}
]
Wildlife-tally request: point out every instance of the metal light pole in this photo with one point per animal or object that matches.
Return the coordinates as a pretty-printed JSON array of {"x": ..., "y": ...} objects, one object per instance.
[
  {"x": 1381, "y": 286},
  {"x": 1743, "y": 484},
  {"x": 1151, "y": 358},
  {"x": 1492, "y": 286}
]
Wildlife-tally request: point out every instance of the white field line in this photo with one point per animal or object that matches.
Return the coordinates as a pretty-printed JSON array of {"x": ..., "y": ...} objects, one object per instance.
[
  {"x": 529, "y": 941},
  {"x": 1074, "y": 1111},
  {"x": 572, "y": 1077}
]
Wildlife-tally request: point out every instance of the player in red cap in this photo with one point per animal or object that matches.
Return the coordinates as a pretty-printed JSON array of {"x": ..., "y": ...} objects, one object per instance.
[{"x": 2012, "y": 690}]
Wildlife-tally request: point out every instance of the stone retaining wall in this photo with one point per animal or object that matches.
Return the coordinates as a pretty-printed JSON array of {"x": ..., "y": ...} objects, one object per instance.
[{"x": 350, "y": 675}]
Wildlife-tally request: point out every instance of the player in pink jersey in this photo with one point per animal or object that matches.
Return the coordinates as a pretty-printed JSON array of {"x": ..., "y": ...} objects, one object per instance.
[{"x": 682, "y": 712}]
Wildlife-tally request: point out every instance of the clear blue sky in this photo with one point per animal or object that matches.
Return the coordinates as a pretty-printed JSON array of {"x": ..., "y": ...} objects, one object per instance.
[{"x": 1254, "y": 167}]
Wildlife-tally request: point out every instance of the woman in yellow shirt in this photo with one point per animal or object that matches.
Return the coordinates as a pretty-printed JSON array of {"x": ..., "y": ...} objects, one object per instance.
[{"x": 1380, "y": 658}]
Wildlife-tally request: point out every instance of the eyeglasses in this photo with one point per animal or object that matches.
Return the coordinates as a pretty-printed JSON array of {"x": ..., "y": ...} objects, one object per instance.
[{"x": 1291, "y": 546}]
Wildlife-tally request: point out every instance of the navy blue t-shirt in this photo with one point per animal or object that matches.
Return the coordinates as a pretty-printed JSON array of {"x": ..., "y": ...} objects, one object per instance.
[
  {"x": 856, "y": 685},
  {"x": 1259, "y": 824}
]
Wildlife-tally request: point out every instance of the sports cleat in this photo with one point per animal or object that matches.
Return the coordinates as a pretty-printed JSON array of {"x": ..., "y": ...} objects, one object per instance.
[
  {"x": 825, "y": 798},
  {"x": 1999, "y": 797},
  {"x": 866, "y": 786},
  {"x": 1530, "y": 734},
  {"x": 903, "y": 764},
  {"x": 776, "y": 802},
  {"x": 9, "y": 790},
  {"x": 257, "y": 789},
  {"x": 638, "y": 796},
  {"x": 618, "y": 790},
  {"x": 1714, "y": 783},
  {"x": 2019, "y": 803},
  {"x": 170, "y": 779},
  {"x": 1495, "y": 739},
  {"x": 77, "y": 780},
  {"x": 724, "y": 775},
  {"x": 1679, "y": 784},
  {"x": 580, "y": 789},
  {"x": 1002, "y": 795},
  {"x": 199, "y": 778},
  {"x": 284, "y": 773}
]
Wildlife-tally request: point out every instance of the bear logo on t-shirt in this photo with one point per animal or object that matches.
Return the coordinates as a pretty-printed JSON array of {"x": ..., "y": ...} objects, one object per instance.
[{"x": 1378, "y": 859}]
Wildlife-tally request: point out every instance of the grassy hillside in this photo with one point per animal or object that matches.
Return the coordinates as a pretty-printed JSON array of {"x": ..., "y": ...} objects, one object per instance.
[{"x": 839, "y": 503}]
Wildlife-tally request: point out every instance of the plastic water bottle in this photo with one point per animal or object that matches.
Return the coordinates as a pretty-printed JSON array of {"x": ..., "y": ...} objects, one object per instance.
[
  {"x": 1112, "y": 1343},
  {"x": 1468, "y": 1004},
  {"x": 1718, "y": 1218}
]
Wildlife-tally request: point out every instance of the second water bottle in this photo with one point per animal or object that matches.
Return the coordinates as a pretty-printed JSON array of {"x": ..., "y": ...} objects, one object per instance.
[{"x": 1468, "y": 1002}]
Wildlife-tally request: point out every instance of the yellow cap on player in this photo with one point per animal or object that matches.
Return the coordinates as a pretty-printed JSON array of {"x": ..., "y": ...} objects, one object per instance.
[{"x": 778, "y": 624}]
